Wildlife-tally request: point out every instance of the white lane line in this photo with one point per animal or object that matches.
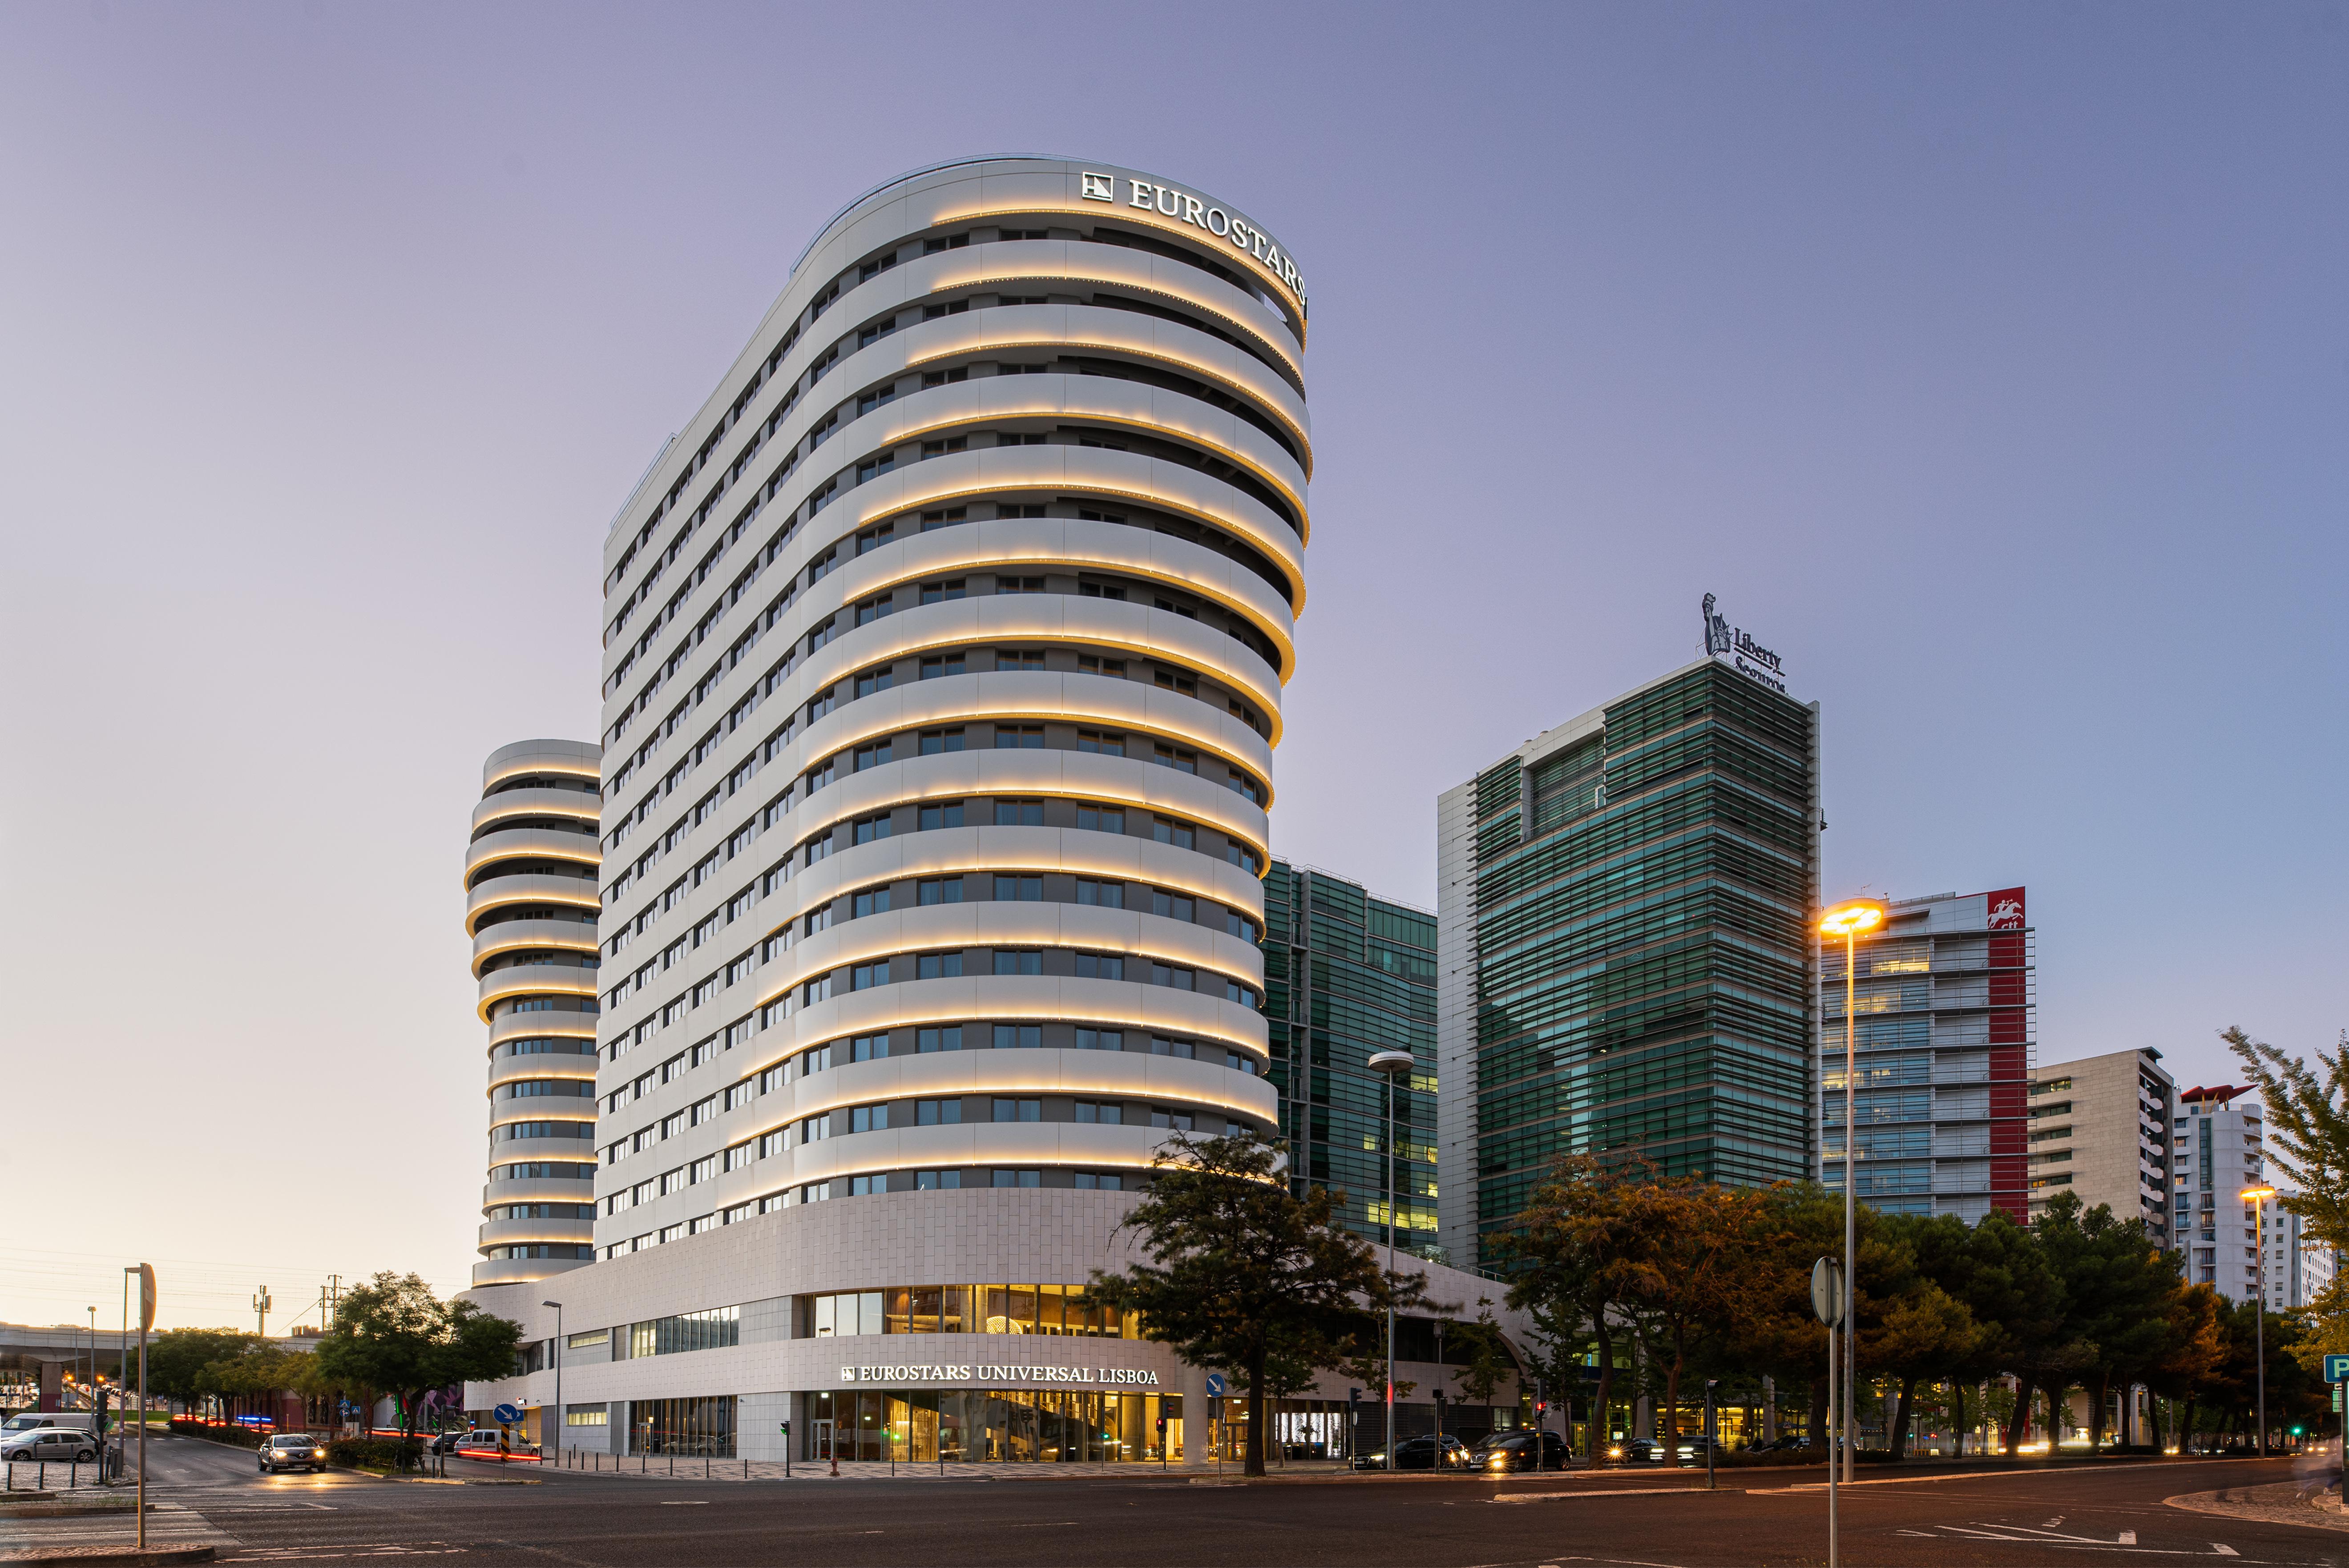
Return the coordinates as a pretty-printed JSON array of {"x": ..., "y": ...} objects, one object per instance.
[{"x": 1622, "y": 1491}]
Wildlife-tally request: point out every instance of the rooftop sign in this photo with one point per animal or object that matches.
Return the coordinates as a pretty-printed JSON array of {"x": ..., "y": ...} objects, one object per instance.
[
  {"x": 1168, "y": 201},
  {"x": 1746, "y": 657}
]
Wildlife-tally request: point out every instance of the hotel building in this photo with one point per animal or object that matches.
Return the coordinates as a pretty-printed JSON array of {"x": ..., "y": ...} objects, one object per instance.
[
  {"x": 1942, "y": 1011},
  {"x": 1625, "y": 960},
  {"x": 531, "y": 910},
  {"x": 943, "y": 650},
  {"x": 2100, "y": 1127}
]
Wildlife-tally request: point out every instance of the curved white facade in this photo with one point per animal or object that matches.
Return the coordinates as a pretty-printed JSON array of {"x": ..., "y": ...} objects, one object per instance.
[
  {"x": 943, "y": 663},
  {"x": 531, "y": 907}
]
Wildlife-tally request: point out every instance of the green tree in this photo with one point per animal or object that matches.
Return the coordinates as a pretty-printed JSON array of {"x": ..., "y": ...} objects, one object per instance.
[
  {"x": 2307, "y": 1129},
  {"x": 1687, "y": 1249},
  {"x": 177, "y": 1357},
  {"x": 1925, "y": 1332},
  {"x": 1243, "y": 1269},
  {"x": 393, "y": 1336},
  {"x": 1489, "y": 1361}
]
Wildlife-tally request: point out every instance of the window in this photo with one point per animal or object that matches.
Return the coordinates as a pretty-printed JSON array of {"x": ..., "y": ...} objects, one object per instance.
[
  {"x": 1018, "y": 1179},
  {"x": 1167, "y": 975},
  {"x": 1019, "y": 1111},
  {"x": 945, "y": 814},
  {"x": 1108, "y": 744},
  {"x": 1172, "y": 756},
  {"x": 1099, "y": 821},
  {"x": 941, "y": 664},
  {"x": 940, "y": 591},
  {"x": 875, "y": 398},
  {"x": 937, "y": 1112},
  {"x": 947, "y": 1038},
  {"x": 1101, "y": 1040},
  {"x": 937, "y": 1180},
  {"x": 863, "y": 1186},
  {"x": 1019, "y": 890},
  {"x": 933, "y": 313},
  {"x": 1099, "y": 966},
  {"x": 1108, "y": 1113},
  {"x": 1175, "y": 680},
  {"x": 876, "y": 680},
  {"x": 1167, "y": 830},
  {"x": 1175, "y": 1121},
  {"x": 936, "y": 742},
  {"x": 1239, "y": 925},
  {"x": 875, "y": 333},
  {"x": 875, "y": 901},
  {"x": 1018, "y": 1037},
  {"x": 945, "y": 444},
  {"x": 1016, "y": 509},
  {"x": 871, "y": 828},
  {"x": 945, "y": 242},
  {"x": 866, "y": 272},
  {"x": 870, "y": 755},
  {"x": 940, "y": 965},
  {"x": 815, "y": 1128},
  {"x": 1107, "y": 895},
  {"x": 940, "y": 889},
  {"x": 1019, "y": 814},
  {"x": 1099, "y": 1180},
  {"x": 1100, "y": 591},
  {"x": 1173, "y": 905},
  {"x": 868, "y": 1119},
  {"x": 946, "y": 516},
  {"x": 864, "y": 976},
  {"x": 1018, "y": 658},
  {"x": 1161, "y": 1048},
  {"x": 1019, "y": 961}
]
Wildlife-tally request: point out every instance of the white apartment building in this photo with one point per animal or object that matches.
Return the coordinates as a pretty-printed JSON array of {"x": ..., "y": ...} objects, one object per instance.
[
  {"x": 2100, "y": 1127},
  {"x": 2298, "y": 1270},
  {"x": 2215, "y": 1152}
]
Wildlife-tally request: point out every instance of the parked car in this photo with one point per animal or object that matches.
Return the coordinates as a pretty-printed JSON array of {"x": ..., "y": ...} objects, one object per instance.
[
  {"x": 291, "y": 1450},
  {"x": 1418, "y": 1453},
  {"x": 1520, "y": 1450},
  {"x": 32, "y": 1420},
  {"x": 483, "y": 1441},
  {"x": 47, "y": 1445}
]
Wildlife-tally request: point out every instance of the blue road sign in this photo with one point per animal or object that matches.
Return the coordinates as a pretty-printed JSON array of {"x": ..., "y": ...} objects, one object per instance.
[
  {"x": 507, "y": 1413},
  {"x": 2336, "y": 1368},
  {"x": 1215, "y": 1384}
]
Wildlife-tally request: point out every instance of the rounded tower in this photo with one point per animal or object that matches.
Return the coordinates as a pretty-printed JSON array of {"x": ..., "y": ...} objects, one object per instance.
[
  {"x": 944, "y": 656},
  {"x": 531, "y": 908}
]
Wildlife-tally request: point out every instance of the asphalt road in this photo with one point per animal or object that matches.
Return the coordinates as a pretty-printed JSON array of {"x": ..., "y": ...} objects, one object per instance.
[{"x": 1635, "y": 1519}]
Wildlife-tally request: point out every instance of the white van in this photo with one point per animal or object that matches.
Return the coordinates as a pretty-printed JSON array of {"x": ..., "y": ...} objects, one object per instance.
[{"x": 78, "y": 1420}]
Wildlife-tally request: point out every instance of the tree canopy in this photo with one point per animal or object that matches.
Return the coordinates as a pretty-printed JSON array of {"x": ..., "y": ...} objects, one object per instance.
[{"x": 393, "y": 1336}]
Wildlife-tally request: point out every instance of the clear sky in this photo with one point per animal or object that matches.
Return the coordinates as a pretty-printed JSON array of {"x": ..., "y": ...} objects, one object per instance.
[{"x": 1988, "y": 361}]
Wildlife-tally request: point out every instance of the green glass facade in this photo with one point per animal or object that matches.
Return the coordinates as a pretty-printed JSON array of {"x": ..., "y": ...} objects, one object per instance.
[
  {"x": 1635, "y": 913},
  {"x": 1346, "y": 974}
]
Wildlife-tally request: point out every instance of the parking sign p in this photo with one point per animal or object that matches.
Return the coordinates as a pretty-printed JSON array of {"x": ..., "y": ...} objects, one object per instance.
[{"x": 2336, "y": 1368}]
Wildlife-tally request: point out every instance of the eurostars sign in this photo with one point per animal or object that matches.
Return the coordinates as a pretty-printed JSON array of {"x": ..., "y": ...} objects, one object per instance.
[
  {"x": 985, "y": 1376},
  {"x": 1171, "y": 202}
]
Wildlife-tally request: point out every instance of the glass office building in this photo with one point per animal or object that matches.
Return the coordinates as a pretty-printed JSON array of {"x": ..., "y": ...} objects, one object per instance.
[
  {"x": 1346, "y": 976},
  {"x": 1624, "y": 948}
]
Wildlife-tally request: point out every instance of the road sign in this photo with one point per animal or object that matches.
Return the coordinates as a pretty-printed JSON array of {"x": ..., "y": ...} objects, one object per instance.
[
  {"x": 1828, "y": 1297},
  {"x": 2336, "y": 1368},
  {"x": 1215, "y": 1385},
  {"x": 146, "y": 1298},
  {"x": 507, "y": 1414},
  {"x": 2336, "y": 1397}
]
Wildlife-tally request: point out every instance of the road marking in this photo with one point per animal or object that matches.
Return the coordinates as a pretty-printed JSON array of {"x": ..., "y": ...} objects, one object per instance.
[
  {"x": 684, "y": 1502},
  {"x": 1622, "y": 1491},
  {"x": 2127, "y": 1538},
  {"x": 2223, "y": 1550}
]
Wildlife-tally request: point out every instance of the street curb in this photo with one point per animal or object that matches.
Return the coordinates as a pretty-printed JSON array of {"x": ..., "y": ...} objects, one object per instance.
[{"x": 152, "y": 1557}]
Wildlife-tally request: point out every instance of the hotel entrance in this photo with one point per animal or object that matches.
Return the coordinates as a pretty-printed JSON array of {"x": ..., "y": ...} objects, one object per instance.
[{"x": 1007, "y": 1426}]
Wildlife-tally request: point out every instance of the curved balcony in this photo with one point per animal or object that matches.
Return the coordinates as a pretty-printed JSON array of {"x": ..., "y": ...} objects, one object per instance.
[
  {"x": 533, "y": 980},
  {"x": 538, "y": 1190},
  {"x": 509, "y": 803},
  {"x": 949, "y": 852},
  {"x": 509, "y": 1232},
  {"x": 520, "y": 1270},
  {"x": 575, "y": 759},
  {"x": 530, "y": 843},
  {"x": 554, "y": 1026},
  {"x": 548, "y": 1064},
  {"x": 505, "y": 892},
  {"x": 508, "y": 935}
]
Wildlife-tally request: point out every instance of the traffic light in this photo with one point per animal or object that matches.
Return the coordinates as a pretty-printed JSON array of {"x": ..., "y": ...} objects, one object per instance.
[{"x": 1541, "y": 1407}]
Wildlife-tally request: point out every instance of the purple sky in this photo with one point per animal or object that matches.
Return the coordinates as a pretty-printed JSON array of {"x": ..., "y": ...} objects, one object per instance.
[{"x": 1988, "y": 361}]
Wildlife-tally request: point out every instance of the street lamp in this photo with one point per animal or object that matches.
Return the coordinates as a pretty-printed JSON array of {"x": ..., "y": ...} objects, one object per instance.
[
  {"x": 1393, "y": 1065},
  {"x": 1850, "y": 920},
  {"x": 2259, "y": 1197},
  {"x": 558, "y": 1383}
]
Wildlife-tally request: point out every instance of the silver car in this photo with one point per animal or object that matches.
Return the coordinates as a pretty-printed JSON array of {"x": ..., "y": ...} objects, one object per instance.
[
  {"x": 291, "y": 1450},
  {"x": 50, "y": 1444}
]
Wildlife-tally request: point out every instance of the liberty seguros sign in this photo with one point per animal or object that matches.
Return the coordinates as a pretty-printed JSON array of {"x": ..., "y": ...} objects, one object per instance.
[{"x": 1746, "y": 657}]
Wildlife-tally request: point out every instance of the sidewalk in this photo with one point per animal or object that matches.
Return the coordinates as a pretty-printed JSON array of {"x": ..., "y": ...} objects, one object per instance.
[
  {"x": 2278, "y": 1502},
  {"x": 661, "y": 1468}
]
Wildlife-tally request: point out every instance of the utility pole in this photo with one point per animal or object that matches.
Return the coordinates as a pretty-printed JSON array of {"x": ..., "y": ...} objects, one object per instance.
[{"x": 261, "y": 1311}]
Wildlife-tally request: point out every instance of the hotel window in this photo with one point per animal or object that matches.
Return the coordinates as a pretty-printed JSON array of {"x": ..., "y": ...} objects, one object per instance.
[
  {"x": 945, "y": 242},
  {"x": 1018, "y": 1037},
  {"x": 702, "y": 1169},
  {"x": 1019, "y": 961},
  {"x": 945, "y": 814},
  {"x": 872, "y": 334},
  {"x": 1108, "y": 744},
  {"x": 1107, "y": 895},
  {"x": 876, "y": 680},
  {"x": 1175, "y": 1121},
  {"x": 937, "y": 1180},
  {"x": 1019, "y": 890},
  {"x": 1173, "y": 905},
  {"x": 1018, "y": 1179},
  {"x": 1099, "y": 966},
  {"x": 938, "y": 742},
  {"x": 874, "y": 539},
  {"x": 876, "y": 901},
  {"x": 1101, "y": 590},
  {"x": 815, "y": 1128},
  {"x": 1018, "y": 658},
  {"x": 945, "y": 444},
  {"x": 1099, "y": 1180},
  {"x": 934, "y": 312},
  {"x": 860, "y": 1186},
  {"x": 937, "y": 1112},
  {"x": 868, "y": 1119},
  {"x": 1175, "y": 680},
  {"x": 1180, "y": 760},
  {"x": 1107, "y": 1113},
  {"x": 1167, "y": 830},
  {"x": 939, "y": 966},
  {"x": 878, "y": 395},
  {"x": 871, "y": 754},
  {"x": 943, "y": 517},
  {"x": 941, "y": 890},
  {"x": 870, "y": 269},
  {"x": 1098, "y": 820},
  {"x": 946, "y": 1037},
  {"x": 1019, "y": 814},
  {"x": 1018, "y": 738},
  {"x": 942, "y": 664},
  {"x": 1101, "y": 1040},
  {"x": 1166, "y": 1048},
  {"x": 864, "y": 1048},
  {"x": 871, "y": 828}
]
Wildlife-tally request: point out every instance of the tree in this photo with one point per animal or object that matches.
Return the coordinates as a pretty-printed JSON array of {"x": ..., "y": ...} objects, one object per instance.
[
  {"x": 2308, "y": 1129},
  {"x": 1243, "y": 1269},
  {"x": 393, "y": 1336},
  {"x": 177, "y": 1357},
  {"x": 1924, "y": 1331},
  {"x": 1489, "y": 1361},
  {"x": 1687, "y": 1244}
]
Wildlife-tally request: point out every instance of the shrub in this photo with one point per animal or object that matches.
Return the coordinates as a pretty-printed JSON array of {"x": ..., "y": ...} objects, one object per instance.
[
  {"x": 236, "y": 1437},
  {"x": 375, "y": 1453}
]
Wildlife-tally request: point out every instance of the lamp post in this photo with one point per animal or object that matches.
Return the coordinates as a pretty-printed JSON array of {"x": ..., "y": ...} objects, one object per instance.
[
  {"x": 558, "y": 1381},
  {"x": 2259, "y": 1197},
  {"x": 1850, "y": 920},
  {"x": 1392, "y": 1065}
]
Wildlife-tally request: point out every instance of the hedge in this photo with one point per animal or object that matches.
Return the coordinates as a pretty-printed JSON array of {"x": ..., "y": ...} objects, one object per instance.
[
  {"x": 236, "y": 1437},
  {"x": 375, "y": 1453}
]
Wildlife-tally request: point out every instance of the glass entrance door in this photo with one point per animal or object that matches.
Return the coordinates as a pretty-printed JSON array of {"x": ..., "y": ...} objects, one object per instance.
[{"x": 822, "y": 1434}]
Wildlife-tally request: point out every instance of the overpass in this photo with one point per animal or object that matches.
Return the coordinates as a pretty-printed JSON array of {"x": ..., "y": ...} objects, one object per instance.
[{"x": 35, "y": 1354}]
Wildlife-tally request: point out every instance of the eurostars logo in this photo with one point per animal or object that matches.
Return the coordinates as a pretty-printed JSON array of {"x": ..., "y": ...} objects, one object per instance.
[{"x": 1099, "y": 187}]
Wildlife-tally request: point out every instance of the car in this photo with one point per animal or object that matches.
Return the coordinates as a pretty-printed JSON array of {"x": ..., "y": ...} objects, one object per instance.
[
  {"x": 485, "y": 1440},
  {"x": 1418, "y": 1453},
  {"x": 1646, "y": 1451},
  {"x": 291, "y": 1450},
  {"x": 33, "y": 1421},
  {"x": 48, "y": 1445},
  {"x": 1520, "y": 1450}
]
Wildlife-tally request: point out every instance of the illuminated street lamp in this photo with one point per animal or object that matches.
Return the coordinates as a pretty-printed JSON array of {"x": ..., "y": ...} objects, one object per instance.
[
  {"x": 1850, "y": 920},
  {"x": 2258, "y": 1197}
]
